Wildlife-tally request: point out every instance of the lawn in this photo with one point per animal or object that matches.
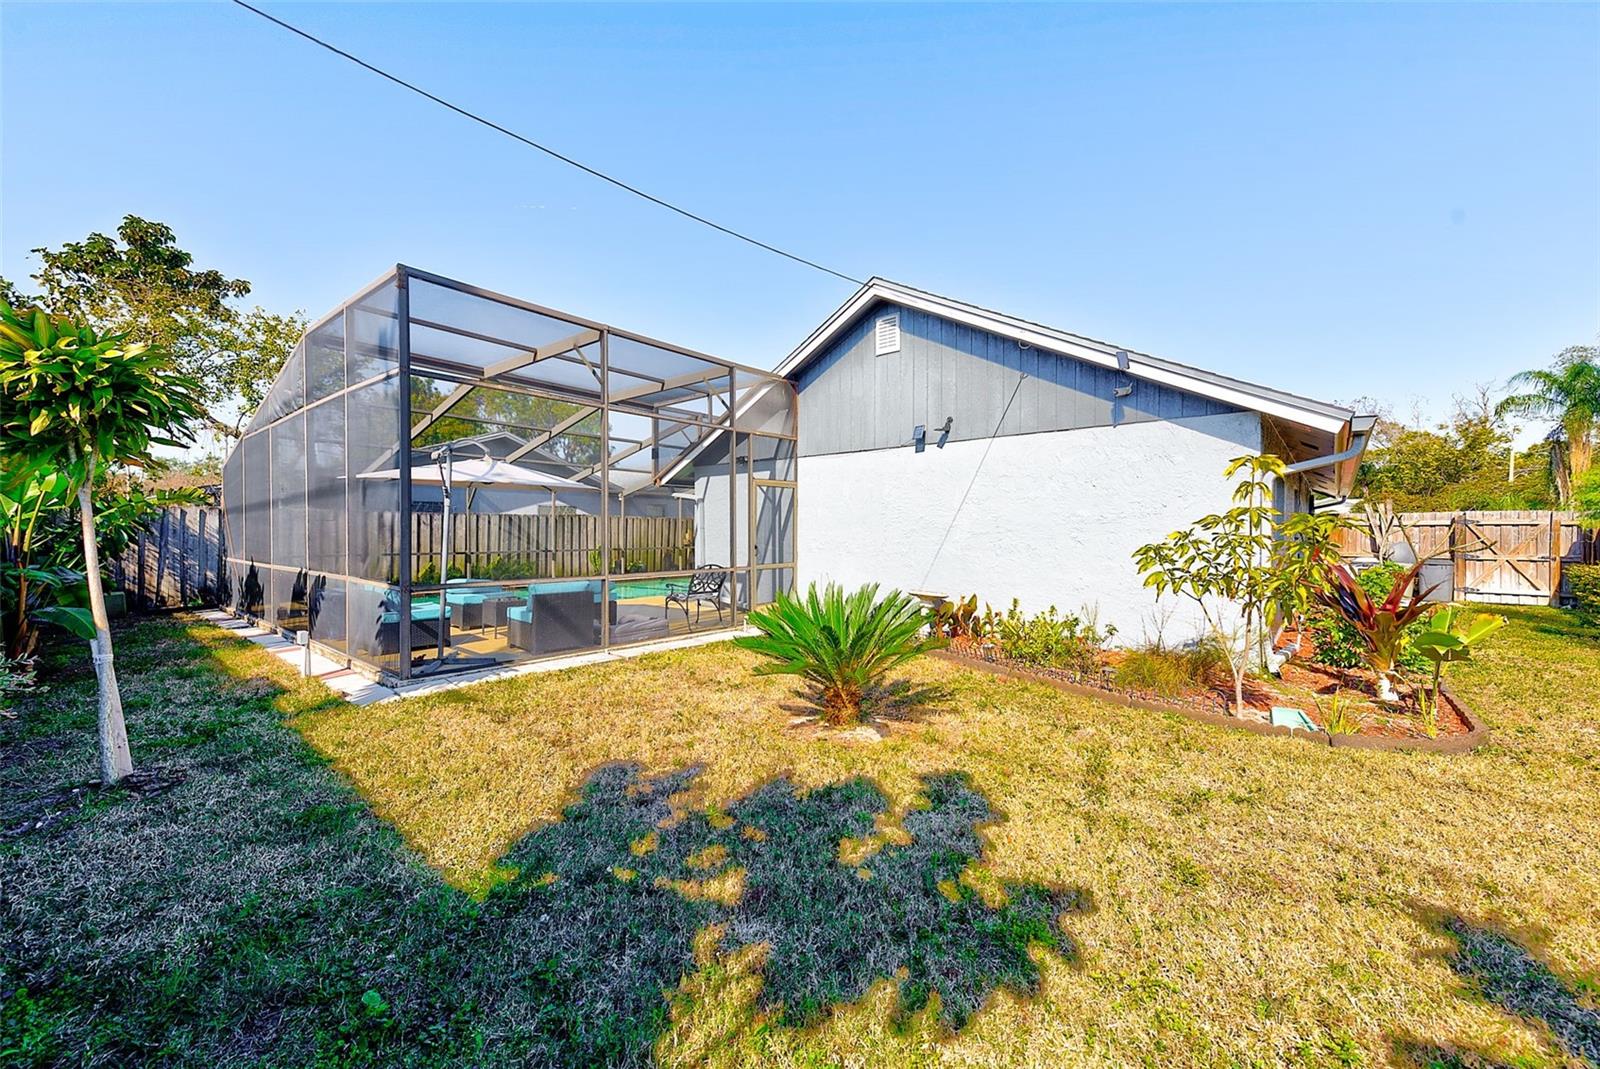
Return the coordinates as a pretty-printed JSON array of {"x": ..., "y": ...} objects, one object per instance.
[{"x": 646, "y": 861}]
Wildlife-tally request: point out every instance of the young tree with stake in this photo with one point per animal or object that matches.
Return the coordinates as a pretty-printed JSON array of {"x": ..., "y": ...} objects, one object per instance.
[
  {"x": 1243, "y": 567},
  {"x": 77, "y": 403}
]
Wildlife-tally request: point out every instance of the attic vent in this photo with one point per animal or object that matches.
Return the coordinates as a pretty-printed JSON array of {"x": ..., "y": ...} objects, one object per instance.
[{"x": 886, "y": 338}]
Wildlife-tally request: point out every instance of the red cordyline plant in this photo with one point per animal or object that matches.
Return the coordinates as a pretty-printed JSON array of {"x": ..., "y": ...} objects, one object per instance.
[{"x": 1381, "y": 623}]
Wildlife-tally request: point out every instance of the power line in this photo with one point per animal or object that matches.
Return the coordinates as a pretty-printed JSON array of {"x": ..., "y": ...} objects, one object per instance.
[{"x": 547, "y": 150}]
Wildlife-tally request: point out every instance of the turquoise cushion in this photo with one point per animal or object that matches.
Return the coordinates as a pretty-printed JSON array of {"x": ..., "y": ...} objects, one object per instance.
[
  {"x": 567, "y": 588},
  {"x": 424, "y": 609},
  {"x": 520, "y": 613},
  {"x": 465, "y": 597},
  {"x": 557, "y": 588}
]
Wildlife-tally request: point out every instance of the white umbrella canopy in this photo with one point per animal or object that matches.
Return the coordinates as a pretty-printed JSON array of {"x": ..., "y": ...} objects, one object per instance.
[{"x": 483, "y": 472}]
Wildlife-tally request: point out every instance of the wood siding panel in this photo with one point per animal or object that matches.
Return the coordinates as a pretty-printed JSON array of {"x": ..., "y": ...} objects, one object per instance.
[{"x": 853, "y": 400}]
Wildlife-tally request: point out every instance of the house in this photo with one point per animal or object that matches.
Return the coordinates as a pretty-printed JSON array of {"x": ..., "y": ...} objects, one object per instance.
[
  {"x": 952, "y": 449},
  {"x": 445, "y": 479}
]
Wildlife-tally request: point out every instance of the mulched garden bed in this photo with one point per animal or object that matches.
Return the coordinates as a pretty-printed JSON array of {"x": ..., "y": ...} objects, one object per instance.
[{"x": 1301, "y": 684}]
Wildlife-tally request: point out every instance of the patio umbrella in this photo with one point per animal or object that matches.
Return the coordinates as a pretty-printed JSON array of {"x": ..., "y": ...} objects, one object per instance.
[{"x": 482, "y": 472}]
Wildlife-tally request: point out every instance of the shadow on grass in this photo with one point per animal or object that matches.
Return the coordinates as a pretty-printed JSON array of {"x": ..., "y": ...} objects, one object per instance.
[
  {"x": 900, "y": 700},
  {"x": 621, "y": 886},
  {"x": 1501, "y": 970},
  {"x": 258, "y": 912}
]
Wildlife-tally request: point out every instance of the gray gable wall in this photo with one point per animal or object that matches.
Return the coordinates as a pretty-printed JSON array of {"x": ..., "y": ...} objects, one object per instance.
[{"x": 851, "y": 400}]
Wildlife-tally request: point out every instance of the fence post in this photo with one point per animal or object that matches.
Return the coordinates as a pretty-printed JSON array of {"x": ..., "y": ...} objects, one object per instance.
[
  {"x": 1555, "y": 559},
  {"x": 183, "y": 556},
  {"x": 143, "y": 538},
  {"x": 201, "y": 556},
  {"x": 1458, "y": 560}
]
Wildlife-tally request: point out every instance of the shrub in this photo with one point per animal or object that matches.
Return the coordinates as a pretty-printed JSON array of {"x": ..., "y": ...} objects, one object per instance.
[
  {"x": 1340, "y": 645},
  {"x": 1047, "y": 639},
  {"x": 958, "y": 619},
  {"x": 844, "y": 644},
  {"x": 1173, "y": 672},
  {"x": 1584, "y": 582}
]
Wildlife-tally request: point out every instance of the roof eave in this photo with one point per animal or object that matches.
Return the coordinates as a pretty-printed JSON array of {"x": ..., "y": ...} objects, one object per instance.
[{"x": 1317, "y": 414}]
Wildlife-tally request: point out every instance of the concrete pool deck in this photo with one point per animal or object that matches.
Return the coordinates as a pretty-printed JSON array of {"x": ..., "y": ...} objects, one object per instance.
[{"x": 362, "y": 690}]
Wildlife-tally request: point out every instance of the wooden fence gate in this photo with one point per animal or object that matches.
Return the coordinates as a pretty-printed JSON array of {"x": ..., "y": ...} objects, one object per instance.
[{"x": 1507, "y": 557}]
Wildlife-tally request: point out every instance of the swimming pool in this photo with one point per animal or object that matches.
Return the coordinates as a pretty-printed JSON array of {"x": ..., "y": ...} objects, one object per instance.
[{"x": 630, "y": 589}]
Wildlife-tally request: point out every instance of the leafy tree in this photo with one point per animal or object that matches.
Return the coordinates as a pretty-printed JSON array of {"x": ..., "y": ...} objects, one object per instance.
[
  {"x": 1586, "y": 497},
  {"x": 1243, "y": 568},
  {"x": 142, "y": 285},
  {"x": 1568, "y": 394},
  {"x": 73, "y": 402},
  {"x": 1460, "y": 464},
  {"x": 485, "y": 411}
]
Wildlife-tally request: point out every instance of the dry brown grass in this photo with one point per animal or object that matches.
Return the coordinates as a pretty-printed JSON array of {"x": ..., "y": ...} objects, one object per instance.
[{"x": 1259, "y": 901}]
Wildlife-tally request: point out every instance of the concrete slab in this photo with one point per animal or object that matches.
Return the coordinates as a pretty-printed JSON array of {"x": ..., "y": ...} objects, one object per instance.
[{"x": 360, "y": 690}]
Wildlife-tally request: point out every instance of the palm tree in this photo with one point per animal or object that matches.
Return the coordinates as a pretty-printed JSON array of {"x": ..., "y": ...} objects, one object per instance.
[{"x": 1567, "y": 394}]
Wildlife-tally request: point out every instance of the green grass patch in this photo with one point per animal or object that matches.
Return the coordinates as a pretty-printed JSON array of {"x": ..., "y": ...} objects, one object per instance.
[{"x": 436, "y": 881}]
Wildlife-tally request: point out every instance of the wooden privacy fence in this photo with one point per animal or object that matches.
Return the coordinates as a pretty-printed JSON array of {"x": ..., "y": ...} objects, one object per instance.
[
  {"x": 1510, "y": 557},
  {"x": 545, "y": 545},
  {"x": 177, "y": 562}
]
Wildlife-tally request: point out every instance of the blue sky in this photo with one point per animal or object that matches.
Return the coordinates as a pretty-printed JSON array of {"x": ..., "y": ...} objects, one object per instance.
[{"x": 1337, "y": 200}]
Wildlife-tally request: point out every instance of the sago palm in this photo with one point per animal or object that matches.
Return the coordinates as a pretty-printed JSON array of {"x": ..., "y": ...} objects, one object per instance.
[
  {"x": 843, "y": 643},
  {"x": 1567, "y": 394}
]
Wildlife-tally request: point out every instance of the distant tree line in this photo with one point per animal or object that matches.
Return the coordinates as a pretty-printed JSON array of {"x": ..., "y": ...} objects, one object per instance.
[{"x": 1468, "y": 461}]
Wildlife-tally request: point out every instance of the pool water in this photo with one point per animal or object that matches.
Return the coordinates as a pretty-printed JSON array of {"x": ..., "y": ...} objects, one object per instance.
[{"x": 629, "y": 589}]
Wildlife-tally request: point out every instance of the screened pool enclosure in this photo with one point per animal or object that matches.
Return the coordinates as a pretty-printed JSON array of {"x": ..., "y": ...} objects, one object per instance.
[{"x": 444, "y": 479}]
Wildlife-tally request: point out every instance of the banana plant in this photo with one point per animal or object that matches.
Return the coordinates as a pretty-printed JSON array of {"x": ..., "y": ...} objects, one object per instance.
[
  {"x": 1450, "y": 636},
  {"x": 27, "y": 590},
  {"x": 1381, "y": 623}
]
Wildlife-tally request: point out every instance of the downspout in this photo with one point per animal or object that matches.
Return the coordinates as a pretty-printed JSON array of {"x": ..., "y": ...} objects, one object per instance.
[{"x": 1360, "y": 431}]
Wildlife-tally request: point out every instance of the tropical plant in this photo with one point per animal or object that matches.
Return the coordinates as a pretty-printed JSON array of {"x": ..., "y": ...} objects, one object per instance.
[
  {"x": 73, "y": 402},
  {"x": 843, "y": 644},
  {"x": 1242, "y": 567},
  {"x": 28, "y": 590},
  {"x": 1336, "y": 642},
  {"x": 959, "y": 618},
  {"x": 1567, "y": 394},
  {"x": 1450, "y": 636},
  {"x": 1047, "y": 639},
  {"x": 1381, "y": 622}
]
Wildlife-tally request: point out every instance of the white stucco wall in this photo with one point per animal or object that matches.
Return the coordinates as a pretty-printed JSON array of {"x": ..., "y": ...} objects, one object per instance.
[{"x": 1051, "y": 518}]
